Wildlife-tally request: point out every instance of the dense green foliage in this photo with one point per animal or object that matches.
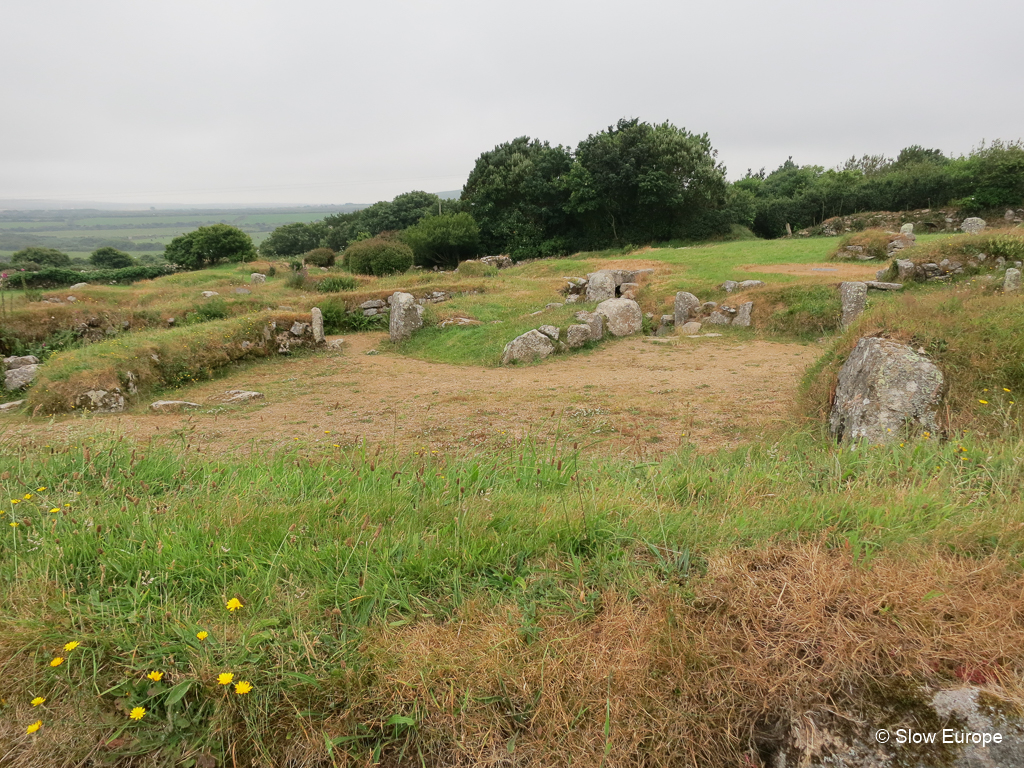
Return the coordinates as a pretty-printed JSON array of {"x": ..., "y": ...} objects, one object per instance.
[
  {"x": 404, "y": 211},
  {"x": 990, "y": 177},
  {"x": 55, "y": 278},
  {"x": 293, "y": 239},
  {"x": 336, "y": 283},
  {"x": 111, "y": 258},
  {"x": 443, "y": 241},
  {"x": 378, "y": 256},
  {"x": 210, "y": 245},
  {"x": 41, "y": 257},
  {"x": 320, "y": 257}
]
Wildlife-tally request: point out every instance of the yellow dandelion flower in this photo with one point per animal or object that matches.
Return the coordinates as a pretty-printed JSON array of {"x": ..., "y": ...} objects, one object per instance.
[
  {"x": 55, "y": 510},
  {"x": 155, "y": 676},
  {"x": 57, "y": 661},
  {"x": 27, "y": 496},
  {"x": 37, "y": 701},
  {"x": 243, "y": 687},
  {"x": 138, "y": 713},
  {"x": 202, "y": 635},
  {"x": 13, "y": 525},
  {"x": 40, "y": 490},
  {"x": 1005, "y": 389},
  {"x": 71, "y": 646},
  {"x": 234, "y": 604},
  {"x": 34, "y": 727},
  {"x": 983, "y": 402},
  {"x": 15, "y": 501},
  {"x": 225, "y": 678}
]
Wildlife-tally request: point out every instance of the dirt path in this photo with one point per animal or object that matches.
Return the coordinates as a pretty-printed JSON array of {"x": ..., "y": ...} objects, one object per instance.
[{"x": 636, "y": 396}]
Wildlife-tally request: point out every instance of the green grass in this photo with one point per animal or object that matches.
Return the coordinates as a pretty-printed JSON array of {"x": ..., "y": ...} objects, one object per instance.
[{"x": 131, "y": 549}]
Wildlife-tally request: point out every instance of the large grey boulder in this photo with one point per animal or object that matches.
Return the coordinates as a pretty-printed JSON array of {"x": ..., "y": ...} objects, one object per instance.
[
  {"x": 577, "y": 335},
  {"x": 745, "y": 285},
  {"x": 406, "y": 316},
  {"x": 885, "y": 388},
  {"x": 742, "y": 317},
  {"x": 551, "y": 331},
  {"x": 689, "y": 329},
  {"x": 718, "y": 318},
  {"x": 532, "y": 345},
  {"x": 907, "y": 229},
  {"x": 594, "y": 322},
  {"x": 12, "y": 406},
  {"x": 101, "y": 400},
  {"x": 686, "y": 306},
  {"x": 318, "y": 326},
  {"x": 973, "y": 225},
  {"x": 22, "y": 376},
  {"x": 905, "y": 269},
  {"x": 600, "y": 286},
  {"x": 729, "y": 286},
  {"x": 623, "y": 316},
  {"x": 854, "y": 297},
  {"x": 257, "y": 277},
  {"x": 10, "y": 363},
  {"x": 1011, "y": 280}
]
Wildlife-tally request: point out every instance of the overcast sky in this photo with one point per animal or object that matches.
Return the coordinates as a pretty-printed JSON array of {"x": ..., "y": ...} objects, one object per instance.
[{"x": 331, "y": 101}]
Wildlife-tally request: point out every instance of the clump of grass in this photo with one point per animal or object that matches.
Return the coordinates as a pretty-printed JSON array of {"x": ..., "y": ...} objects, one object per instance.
[
  {"x": 800, "y": 311},
  {"x": 157, "y": 359},
  {"x": 477, "y": 269},
  {"x": 974, "y": 336},
  {"x": 875, "y": 243},
  {"x": 994, "y": 244},
  {"x": 336, "y": 284}
]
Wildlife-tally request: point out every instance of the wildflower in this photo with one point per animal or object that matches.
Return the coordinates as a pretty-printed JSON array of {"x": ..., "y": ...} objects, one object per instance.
[
  {"x": 983, "y": 402},
  {"x": 243, "y": 687},
  {"x": 27, "y": 496},
  {"x": 1005, "y": 389},
  {"x": 202, "y": 635},
  {"x": 37, "y": 701},
  {"x": 34, "y": 727},
  {"x": 72, "y": 645},
  {"x": 13, "y": 525},
  {"x": 234, "y": 604},
  {"x": 155, "y": 676},
  {"x": 55, "y": 510},
  {"x": 138, "y": 713},
  {"x": 40, "y": 490},
  {"x": 57, "y": 661},
  {"x": 225, "y": 678},
  {"x": 15, "y": 501}
]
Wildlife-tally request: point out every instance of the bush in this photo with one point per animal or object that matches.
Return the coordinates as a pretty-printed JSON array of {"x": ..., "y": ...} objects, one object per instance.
[
  {"x": 320, "y": 257},
  {"x": 477, "y": 269},
  {"x": 875, "y": 243},
  {"x": 271, "y": 272},
  {"x": 381, "y": 255},
  {"x": 337, "y": 319},
  {"x": 55, "y": 278},
  {"x": 443, "y": 240},
  {"x": 335, "y": 283},
  {"x": 111, "y": 258},
  {"x": 43, "y": 257},
  {"x": 296, "y": 280},
  {"x": 213, "y": 309},
  {"x": 210, "y": 245}
]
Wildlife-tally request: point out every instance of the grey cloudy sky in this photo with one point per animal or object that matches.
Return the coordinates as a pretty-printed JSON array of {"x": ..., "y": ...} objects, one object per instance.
[{"x": 312, "y": 101}]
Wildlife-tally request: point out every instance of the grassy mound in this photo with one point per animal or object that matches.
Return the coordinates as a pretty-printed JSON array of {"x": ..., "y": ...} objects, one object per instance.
[
  {"x": 157, "y": 359},
  {"x": 974, "y": 336}
]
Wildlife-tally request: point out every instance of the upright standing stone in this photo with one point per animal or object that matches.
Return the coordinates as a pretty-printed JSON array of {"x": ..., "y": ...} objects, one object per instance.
[
  {"x": 257, "y": 277},
  {"x": 1011, "y": 281},
  {"x": 907, "y": 229},
  {"x": 318, "y": 326},
  {"x": 905, "y": 269},
  {"x": 973, "y": 225},
  {"x": 743, "y": 314},
  {"x": 854, "y": 297},
  {"x": 623, "y": 316},
  {"x": 406, "y": 316},
  {"x": 600, "y": 286},
  {"x": 884, "y": 388},
  {"x": 686, "y": 306}
]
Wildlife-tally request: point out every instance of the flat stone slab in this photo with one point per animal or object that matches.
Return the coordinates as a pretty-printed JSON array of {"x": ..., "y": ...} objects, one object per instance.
[
  {"x": 12, "y": 406},
  {"x": 172, "y": 406},
  {"x": 241, "y": 396},
  {"x": 880, "y": 286}
]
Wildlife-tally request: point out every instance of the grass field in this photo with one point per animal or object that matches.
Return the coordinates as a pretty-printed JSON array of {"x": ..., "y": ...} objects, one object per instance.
[{"x": 249, "y": 586}]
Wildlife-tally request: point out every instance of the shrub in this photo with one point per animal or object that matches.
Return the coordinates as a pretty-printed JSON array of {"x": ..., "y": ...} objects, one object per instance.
[
  {"x": 212, "y": 309},
  {"x": 320, "y": 257},
  {"x": 381, "y": 255},
  {"x": 111, "y": 258},
  {"x": 272, "y": 271},
  {"x": 54, "y": 278},
  {"x": 337, "y": 319},
  {"x": 210, "y": 245},
  {"x": 43, "y": 257},
  {"x": 296, "y": 280},
  {"x": 443, "y": 240},
  {"x": 335, "y": 283}
]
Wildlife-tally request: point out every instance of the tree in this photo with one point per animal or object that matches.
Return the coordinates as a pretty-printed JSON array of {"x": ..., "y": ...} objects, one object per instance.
[
  {"x": 443, "y": 240},
  {"x": 44, "y": 257},
  {"x": 516, "y": 196},
  {"x": 111, "y": 258},
  {"x": 638, "y": 182},
  {"x": 210, "y": 245},
  {"x": 293, "y": 239},
  {"x": 404, "y": 211}
]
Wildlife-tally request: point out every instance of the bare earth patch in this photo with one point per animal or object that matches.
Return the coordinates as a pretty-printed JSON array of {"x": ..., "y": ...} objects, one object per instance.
[
  {"x": 825, "y": 272},
  {"x": 635, "y": 397}
]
